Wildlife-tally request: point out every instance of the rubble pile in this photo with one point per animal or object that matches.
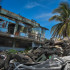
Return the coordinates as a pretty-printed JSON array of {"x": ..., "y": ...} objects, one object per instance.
[
  {"x": 41, "y": 58},
  {"x": 64, "y": 45}
]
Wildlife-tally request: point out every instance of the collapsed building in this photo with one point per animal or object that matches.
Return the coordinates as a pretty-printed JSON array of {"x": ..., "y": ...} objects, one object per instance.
[
  {"x": 25, "y": 33},
  {"x": 54, "y": 55},
  {"x": 19, "y": 32}
]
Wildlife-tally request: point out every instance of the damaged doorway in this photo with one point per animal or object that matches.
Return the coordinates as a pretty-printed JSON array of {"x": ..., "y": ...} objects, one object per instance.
[{"x": 11, "y": 28}]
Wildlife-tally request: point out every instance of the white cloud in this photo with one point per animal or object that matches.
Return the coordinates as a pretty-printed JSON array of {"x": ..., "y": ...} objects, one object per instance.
[
  {"x": 32, "y": 4},
  {"x": 44, "y": 15}
]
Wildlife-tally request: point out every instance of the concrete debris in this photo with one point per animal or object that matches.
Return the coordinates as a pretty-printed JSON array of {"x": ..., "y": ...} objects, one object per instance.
[
  {"x": 54, "y": 63},
  {"x": 42, "y": 58}
]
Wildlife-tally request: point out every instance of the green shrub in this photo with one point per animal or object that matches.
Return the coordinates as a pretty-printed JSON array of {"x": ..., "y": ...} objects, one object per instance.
[{"x": 12, "y": 51}]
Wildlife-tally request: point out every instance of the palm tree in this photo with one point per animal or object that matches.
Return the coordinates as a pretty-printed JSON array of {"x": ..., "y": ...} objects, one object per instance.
[{"x": 62, "y": 29}]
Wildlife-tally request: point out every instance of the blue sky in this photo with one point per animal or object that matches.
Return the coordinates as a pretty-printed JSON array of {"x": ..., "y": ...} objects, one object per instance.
[{"x": 39, "y": 10}]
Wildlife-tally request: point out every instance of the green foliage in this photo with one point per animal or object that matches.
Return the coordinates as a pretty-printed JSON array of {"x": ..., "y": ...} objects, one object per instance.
[
  {"x": 12, "y": 51},
  {"x": 62, "y": 28},
  {"x": 21, "y": 51}
]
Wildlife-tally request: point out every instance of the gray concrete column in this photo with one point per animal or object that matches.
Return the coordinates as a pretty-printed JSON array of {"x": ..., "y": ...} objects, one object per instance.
[
  {"x": 14, "y": 44},
  {"x": 16, "y": 27},
  {"x": 33, "y": 44}
]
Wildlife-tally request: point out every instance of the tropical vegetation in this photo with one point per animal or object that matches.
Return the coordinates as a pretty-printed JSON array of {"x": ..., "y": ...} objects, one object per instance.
[{"x": 62, "y": 29}]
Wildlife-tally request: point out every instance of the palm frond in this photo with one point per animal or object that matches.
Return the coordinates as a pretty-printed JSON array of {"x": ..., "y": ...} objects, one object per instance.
[
  {"x": 56, "y": 17},
  {"x": 55, "y": 29},
  {"x": 68, "y": 30},
  {"x": 62, "y": 28}
]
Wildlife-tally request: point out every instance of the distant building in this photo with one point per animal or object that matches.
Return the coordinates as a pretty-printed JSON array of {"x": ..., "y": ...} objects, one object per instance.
[{"x": 19, "y": 32}]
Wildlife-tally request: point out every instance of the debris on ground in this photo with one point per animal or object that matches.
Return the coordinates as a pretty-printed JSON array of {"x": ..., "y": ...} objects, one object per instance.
[{"x": 41, "y": 58}]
